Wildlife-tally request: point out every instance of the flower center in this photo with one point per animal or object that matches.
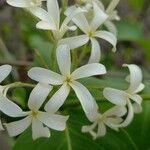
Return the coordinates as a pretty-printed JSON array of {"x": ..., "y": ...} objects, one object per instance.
[
  {"x": 68, "y": 79},
  {"x": 90, "y": 34},
  {"x": 34, "y": 114}
]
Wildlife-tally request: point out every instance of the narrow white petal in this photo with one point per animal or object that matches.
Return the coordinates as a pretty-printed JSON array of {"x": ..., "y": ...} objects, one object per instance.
[
  {"x": 54, "y": 121},
  {"x": 84, "y": 96},
  {"x": 135, "y": 77},
  {"x": 58, "y": 99},
  {"x": 111, "y": 27},
  {"x": 108, "y": 36},
  {"x": 45, "y": 25},
  {"x": 10, "y": 108},
  {"x": 112, "y": 6},
  {"x": 80, "y": 20},
  {"x": 89, "y": 70},
  {"x": 64, "y": 59},
  {"x": 53, "y": 10},
  {"x": 88, "y": 128},
  {"x": 17, "y": 127},
  {"x": 129, "y": 117},
  {"x": 19, "y": 3},
  {"x": 38, "y": 96},
  {"x": 39, "y": 13},
  {"x": 4, "y": 71},
  {"x": 101, "y": 130},
  {"x": 76, "y": 41},
  {"x": 140, "y": 88},
  {"x": 110, "y": 122},
  {"x": 45, "y": 76},
  {"x": 118, "y": 111},
  {"x": 115, "y": 96},
  {"x": 136, "y": 98},
  {"x": 96, "y": 52},
  {"x": 99, "y": 17},
  {"x": 137, "y": 108},
  {"x": 1, "y": 126},
  {"x": 38, "y": 130},
  {"x": 64, "y": 27}
]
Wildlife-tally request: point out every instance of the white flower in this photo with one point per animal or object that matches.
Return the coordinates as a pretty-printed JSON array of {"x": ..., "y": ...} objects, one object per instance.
[
  {"x": 91, "y": 32},
  {"x": 110, "y": 118},
  {"x": 123, "y": 98},
  {"x": 50, "y": 20},
  {"x": 110, "y": 11},
  {"x": 67, "y": 80},
  {"x": 38, "y": 119},
  {"x": 6, "y": 106}
]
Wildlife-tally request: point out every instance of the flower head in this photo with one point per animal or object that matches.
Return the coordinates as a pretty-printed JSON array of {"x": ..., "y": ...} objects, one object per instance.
[
  {"x": 40, "y": 120},
  {"x": 91, "y": 32},
  {"x": 68, "y": 79},
  {"x": 110, "y": 118},
  {"x": 123, "y": 98},
  {"x": 50, "y": 19}
]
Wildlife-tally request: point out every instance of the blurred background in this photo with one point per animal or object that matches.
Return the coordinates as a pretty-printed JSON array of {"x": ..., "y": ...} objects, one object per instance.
[{"x": 21, "y": 43}]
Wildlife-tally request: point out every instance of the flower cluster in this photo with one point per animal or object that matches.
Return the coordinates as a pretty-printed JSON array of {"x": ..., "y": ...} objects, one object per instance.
[{"x": 88, "y": 16}]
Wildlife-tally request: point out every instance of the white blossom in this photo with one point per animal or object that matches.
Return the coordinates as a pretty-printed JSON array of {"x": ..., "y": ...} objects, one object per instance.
[
  {"x": 39, "y": 120},
  {"x": 110, "y": 11},
  {"x": 67, "y": 80},
  {"x": 51, "y": 20},
  {"x": 6, "y": 106},
  {"x": 91, "y": 32},
  {"x": 122, "y": 98},
  {"x": 110, "y": 118}
]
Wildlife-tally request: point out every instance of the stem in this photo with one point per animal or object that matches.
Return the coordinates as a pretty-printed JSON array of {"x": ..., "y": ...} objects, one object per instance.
[
  {"x": 19, "y": 84},
  {"x": 53, "y": 57}
]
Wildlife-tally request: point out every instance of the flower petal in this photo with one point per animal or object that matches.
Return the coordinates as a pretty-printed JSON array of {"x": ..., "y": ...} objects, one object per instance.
[
  {"x": 101, "y": 130},
  {"x": 53, "y": 10},
  {"x": 136, "y": 98},
  {"x": 140, "y": 88},
  {"x": 17, "y": 127},
  {"x": 87, "y": 101},
  {"x": 109, "y": 37},
  {"x": 45, "y": 76},
  {"x": 57, "y": 99},
  {"x": 64, "y": 59},
  {"x": 135, "y": 77},
  {"x": 75, "y": 42},
  {"x": 111, "y": 27},
  {"x": 40, "y": 13},
  {"x": 129, "y": 117},
  {"x": 137, "y": 108},
  {"x": 112, "y": 6},
  {"x": 45, "y": 25},
  {"x": 38, "y": 130},
  {"x": 4, "y": 71},
  {"x": 118, "y": 111},
  {"x": 89, "y": 70},
  {"x": 115, "y": 96},
  {"x": 10, "y": 108},
  {"x": 99, "y": 17},
  {"x": 19, "y": 3},
  {"x": 80, "y": 20},
  {"x": 96, "y": 52},
  {"x": 64, "y": 27},
  {"x": 54, "y": 121},
  {"x": 38, "y": 96}
]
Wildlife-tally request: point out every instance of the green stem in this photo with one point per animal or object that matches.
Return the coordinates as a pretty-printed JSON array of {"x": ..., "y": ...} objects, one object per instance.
[
  {"x": 53, "y": 57},
  {"x": 19, "y": 84}
]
